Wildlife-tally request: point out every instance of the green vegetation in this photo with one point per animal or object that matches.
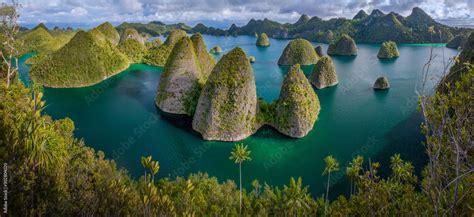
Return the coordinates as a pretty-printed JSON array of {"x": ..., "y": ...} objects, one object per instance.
[
  {"x": 457, "y": 42},
  {"x": 227, "y": 107},
  {"x": 181, "y": 81},
  {"x": 240, "y": 154},
  {"x": 109, "y": 32},
  {"x": 345, "y": 46},
  {"x": 252, "y": 59},
  {"x": 131, "y": 33},
  {"x": 42, "y": 41},
  {"x": 154, "y": 28},
  {"x": 263, "y": 41},
  {"x": 297, "y": 108},
  {"x": 381, "y": 83},
  {"x": 157, "y": 56},
  {"x": 388, "y": 50},
  {"x": 134, "y": 50},
  {"x": 324, "y": 73},
  {"x": 205, "y": 60},
  {"x": 374, "y": 28},
  {"x": 154, "y": 44},
  {"x": 462, "y": 65},
  {"x": 87, "y": 59},
  {"x": 298, "y": 51},
  {"x": 216, "y": 50},
  {"x": 51, "y": 173},
  {"x": 331, "y": 166}
]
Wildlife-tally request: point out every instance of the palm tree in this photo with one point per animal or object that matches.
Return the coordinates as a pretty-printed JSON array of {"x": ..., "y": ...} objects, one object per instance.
[
  {"x": 331, "y": 166},
  {"x": 353, "y": 170},
  {"x": 240, "y": 154},
  {"x": 295, "y": 197},
  {"x": 146, "y": 161},
  {"x": 154, "y": 168}
]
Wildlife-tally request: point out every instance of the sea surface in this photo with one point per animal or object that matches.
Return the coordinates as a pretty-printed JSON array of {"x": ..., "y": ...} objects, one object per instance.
[{"x": 118, "y": 116}]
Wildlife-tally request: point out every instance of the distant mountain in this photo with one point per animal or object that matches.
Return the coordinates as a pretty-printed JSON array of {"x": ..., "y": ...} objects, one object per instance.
[
  {"x": 154, "y": 28},
  {"x": 375, "y": 27},
  {"x": 364, "y": 28}
]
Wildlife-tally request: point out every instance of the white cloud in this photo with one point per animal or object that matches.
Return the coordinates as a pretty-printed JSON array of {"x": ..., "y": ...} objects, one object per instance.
[
  {"x": 238, "y": 11},
  {"x": 79, "y": 11}
]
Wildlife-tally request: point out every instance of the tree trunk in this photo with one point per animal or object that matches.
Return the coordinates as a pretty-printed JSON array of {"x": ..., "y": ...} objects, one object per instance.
[
  {"x": 327, "y": 193},
  {"x": 240, "y": 173}
]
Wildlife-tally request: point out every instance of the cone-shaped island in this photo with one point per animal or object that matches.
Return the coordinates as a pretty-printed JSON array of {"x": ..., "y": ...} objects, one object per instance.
[
  {"x": 181, "y": 80},
  {"x": 227, "y": 106},
  {"x": 388, "y": 50},
  {"x": 263, "y": 40},
  {"x": 324, "y": 73},
  {"x": 345, "y": 46},
  {"x": 298, "y": 107},
  {"x": 298, "y": 51}
]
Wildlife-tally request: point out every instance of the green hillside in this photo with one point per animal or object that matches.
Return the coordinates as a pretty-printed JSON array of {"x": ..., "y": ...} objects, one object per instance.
[{"x": 87, "y": 59}]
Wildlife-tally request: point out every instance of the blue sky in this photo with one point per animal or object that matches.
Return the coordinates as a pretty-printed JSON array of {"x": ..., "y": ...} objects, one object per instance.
[{"x": 222, "y": 13}]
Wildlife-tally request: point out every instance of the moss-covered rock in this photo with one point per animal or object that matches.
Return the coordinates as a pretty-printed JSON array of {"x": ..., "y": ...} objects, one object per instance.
[
  {"x": 131, "y": 33},
  {"x": 457, "y": 42},
  {"x": 345, "y": 46},
  {"x": 227, "y": 106},
  {"x": 319, "y": 51},
  {"x": 157, "y": 56},
  {"x": 388, "y": 50},
  {"x": 109, "y": 32},
  {"x": 174, "y": 36},
  {"x": 263, "y": 41},
  {"x": 86, "y": 60},
  {"x": 216, "y": 49},
  {"x": 298, "y": 51},
  {"x": 181, "y": 81},
  {"x": 298, "y": 107},
  {"x": 134, "y": 50},
  {"x": 324, "y": 73},
  {"x": 252, "y": 59},
  {"x": 206, "y": 61},
  {"x": 381, "y": 83}
]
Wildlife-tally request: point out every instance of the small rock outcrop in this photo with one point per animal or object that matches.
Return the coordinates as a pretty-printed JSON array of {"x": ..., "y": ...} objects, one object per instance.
[
  {"x": 216, "y": 50},
  {"x": 324, "y": 73},
  {"x": 252, "y": 59},
  {"x": 381, "y": 83},
  {"x": 181, "y": 80},
  {"x": 131, "y": 33},
  {"x": 297, "y": 108},
  {"x": 227, "y": 106},
  {"x": 345, "y": 46},
  {"x": 205, "y": 60},
  {"x": 263, "y": 40},
  {"x": 388, "y": 50},
  {"x": 319, "y": 51},
  {"x": 298, "y": 51}
]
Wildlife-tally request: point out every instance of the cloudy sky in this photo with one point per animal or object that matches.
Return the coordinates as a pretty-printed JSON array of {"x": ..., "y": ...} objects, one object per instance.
[{"x": 223, "y": 12}]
